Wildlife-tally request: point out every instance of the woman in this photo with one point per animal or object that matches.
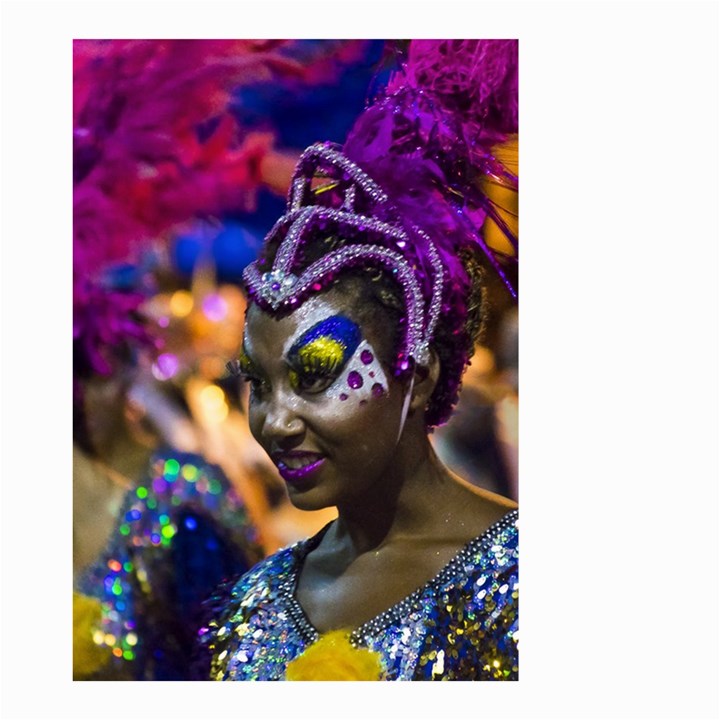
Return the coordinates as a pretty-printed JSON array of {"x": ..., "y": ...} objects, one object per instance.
[{"x": 365, "y": 307}]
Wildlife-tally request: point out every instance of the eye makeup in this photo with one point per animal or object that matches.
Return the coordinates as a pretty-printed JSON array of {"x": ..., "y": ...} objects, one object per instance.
[
  {"x": 244, "y": 363},
  {"x": 319, "y": 355},
  {"x": 245, "y": 367},
  {"x": 332, "y": 357},
  {"x": 326, "y": 347}
]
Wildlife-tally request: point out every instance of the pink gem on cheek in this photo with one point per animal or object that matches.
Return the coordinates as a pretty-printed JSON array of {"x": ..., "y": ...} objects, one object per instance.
[
  {"x": 355, "y": 380},
  {"x": 366, "y": 356},
  {"x": 378, "y": 390},
  {"x": 343, "y": 396}
]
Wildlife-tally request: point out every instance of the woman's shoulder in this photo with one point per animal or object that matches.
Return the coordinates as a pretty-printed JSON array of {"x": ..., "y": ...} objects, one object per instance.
[
  {"x": 487, "y": 564},
  {"x": 466, "y": 512},
  {"x": 477, "y": 600},
  {"x": 495, "y": 549},
  {"x": 477, "y": 498}
]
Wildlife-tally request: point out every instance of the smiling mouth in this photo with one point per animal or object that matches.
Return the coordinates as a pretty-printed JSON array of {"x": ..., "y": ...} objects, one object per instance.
[{"x": 297, "y": 466}]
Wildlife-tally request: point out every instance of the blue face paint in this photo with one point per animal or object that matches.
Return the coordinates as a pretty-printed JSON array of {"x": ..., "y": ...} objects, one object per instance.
[{"x": 325, "y": 348}]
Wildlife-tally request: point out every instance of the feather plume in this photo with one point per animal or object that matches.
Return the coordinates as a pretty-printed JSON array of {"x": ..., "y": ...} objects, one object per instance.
[
  {"x": 155, "y": 146},
  {"x": 431, "y": 140}
]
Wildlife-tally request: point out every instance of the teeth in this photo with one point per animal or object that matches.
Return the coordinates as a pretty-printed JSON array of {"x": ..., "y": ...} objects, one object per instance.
[{"x": 295, "y": 463}]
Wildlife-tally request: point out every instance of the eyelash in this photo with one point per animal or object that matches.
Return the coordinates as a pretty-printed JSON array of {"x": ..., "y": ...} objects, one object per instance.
[
  {"x": 305, "y": 382},
  {"x": 257, "y": 384}
]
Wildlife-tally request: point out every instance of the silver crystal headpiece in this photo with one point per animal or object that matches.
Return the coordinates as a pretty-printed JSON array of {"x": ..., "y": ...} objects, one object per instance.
[{"x": 378, "y": 239}]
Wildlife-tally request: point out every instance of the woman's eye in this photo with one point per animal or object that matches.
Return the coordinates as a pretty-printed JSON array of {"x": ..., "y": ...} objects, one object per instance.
[
  {"x": 257, "y": 385},
  {"x": 310, "y": 383}
]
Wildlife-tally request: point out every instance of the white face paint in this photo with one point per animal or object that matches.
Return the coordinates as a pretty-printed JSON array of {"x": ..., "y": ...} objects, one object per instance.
[{"x": 362, "y": 377}]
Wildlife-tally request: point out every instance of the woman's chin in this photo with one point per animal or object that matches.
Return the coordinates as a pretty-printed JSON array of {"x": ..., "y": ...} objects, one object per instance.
[{"x": 309, "y": 499}]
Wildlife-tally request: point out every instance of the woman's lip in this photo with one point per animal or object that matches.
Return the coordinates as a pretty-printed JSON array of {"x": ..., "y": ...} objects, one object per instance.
[
  {"x": 280, "y": 456},
  {"x": 293, "y": 475}
]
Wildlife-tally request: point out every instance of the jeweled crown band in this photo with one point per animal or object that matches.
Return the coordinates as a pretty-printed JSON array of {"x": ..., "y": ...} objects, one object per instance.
[{"x": 372, "y": 241}]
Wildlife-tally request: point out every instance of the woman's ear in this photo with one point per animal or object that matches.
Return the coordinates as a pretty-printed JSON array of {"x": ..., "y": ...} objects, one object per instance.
[{"x": 426, "y": 377}]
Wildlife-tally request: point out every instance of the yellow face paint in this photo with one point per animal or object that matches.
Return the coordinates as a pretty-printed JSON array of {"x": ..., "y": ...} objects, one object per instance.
[
  {"x": 320, "y": 354},
  {"x": 323, "y": 354},
  {"x": 244, "y": 361}
]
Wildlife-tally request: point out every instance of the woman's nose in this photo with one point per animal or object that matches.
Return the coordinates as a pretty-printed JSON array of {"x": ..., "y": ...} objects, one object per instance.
[{"x": 282, "y": 421}]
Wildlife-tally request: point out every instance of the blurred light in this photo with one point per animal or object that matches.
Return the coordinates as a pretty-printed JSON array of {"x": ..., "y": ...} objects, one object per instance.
[
  {"x": 165, "y": 366},
  {"x": 483, "y": 361},
  {"x": 181, "y": 303},
  {"x": 189, "y": 472},
  {"x": 163, "y": 321},
  {"x": 214, "y": 307},
  {"x": 211, "y": 367},
  {"x": 213, "y": 400}
]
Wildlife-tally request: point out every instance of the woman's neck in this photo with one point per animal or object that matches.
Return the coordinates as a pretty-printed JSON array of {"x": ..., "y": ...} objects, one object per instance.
[{"x": 401, "y": 504}]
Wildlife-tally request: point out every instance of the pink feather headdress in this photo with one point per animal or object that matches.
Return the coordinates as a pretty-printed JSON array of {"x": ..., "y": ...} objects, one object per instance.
[{"x": 155, "y": 146}]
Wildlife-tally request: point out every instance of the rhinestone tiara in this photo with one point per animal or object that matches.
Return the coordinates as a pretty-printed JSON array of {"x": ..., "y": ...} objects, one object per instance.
[{"x": 376, "y": 237}]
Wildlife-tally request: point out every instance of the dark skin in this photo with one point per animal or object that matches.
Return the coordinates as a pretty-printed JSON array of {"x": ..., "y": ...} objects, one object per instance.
[{"x": 402, "y": 515}]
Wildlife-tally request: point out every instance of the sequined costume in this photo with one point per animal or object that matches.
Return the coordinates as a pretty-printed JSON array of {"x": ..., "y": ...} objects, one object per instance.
[
  {"x": 180, "y": 532},
  {"x": 461, "y": 625}
]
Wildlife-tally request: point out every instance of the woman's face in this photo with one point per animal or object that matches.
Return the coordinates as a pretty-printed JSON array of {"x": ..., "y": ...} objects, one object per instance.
[{"x": 322, "y": 405}]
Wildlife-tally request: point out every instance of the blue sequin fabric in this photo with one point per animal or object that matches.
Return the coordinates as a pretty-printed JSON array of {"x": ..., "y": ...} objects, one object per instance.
[
  {"x": 461, "y": 625},
  {"x": 181, "y": 531}
]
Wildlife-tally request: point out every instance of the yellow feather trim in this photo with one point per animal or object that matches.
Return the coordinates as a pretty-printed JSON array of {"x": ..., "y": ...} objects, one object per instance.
[
  {"x": 88, "y": 657},
  {"x": 332, "y": 657}
]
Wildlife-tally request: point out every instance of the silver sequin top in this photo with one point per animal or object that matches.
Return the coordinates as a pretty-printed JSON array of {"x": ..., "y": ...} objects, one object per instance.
[{"x": 461, "y": 625}]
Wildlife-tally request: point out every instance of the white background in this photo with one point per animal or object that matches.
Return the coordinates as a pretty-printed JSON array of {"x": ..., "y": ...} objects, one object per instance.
[{"x": 618, "y": 359}]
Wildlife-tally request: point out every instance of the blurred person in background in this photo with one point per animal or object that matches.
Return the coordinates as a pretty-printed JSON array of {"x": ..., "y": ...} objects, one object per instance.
[
  {"x": 480, "y": 441},
  {"x": 155, "y": 527}
]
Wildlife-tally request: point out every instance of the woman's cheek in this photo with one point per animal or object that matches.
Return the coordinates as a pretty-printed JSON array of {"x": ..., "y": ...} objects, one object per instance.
[{"x": 362, "y": 379}]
